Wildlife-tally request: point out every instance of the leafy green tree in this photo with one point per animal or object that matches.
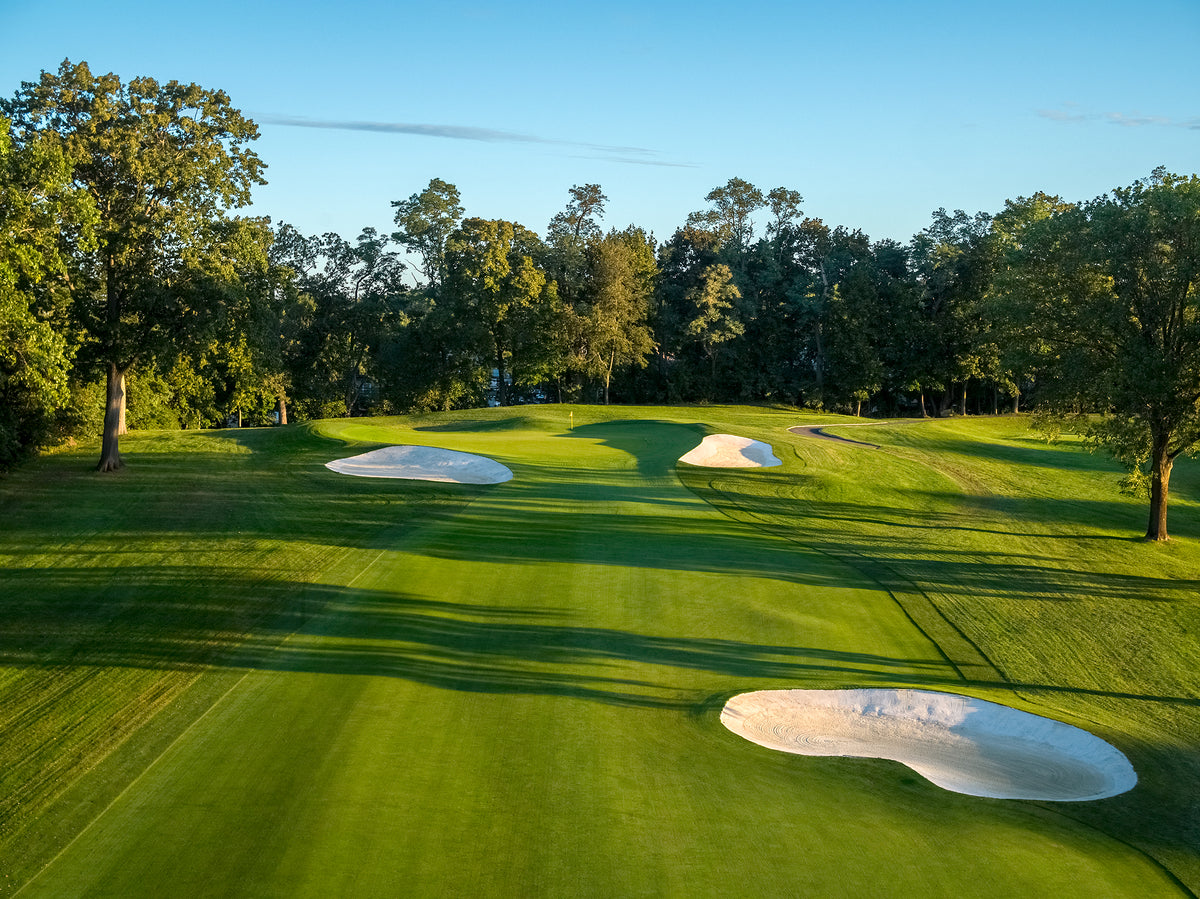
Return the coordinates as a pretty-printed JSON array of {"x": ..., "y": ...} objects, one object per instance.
[
  {"x": 162, "y": 164},
  {"x": 821, "y": 258},
  {"x": 672, "y": 375},
  {"x": 355, "y": 294},
  {"x": 425, "y": 222},
  {"x": 730, "y": 217},
  {"x": 1015, "y": 348},
  {"x": 715, "y": 322},
  {"x": 1112, "y": 289},
  {"x": 853, "y": 344},
  {"x": 433, "y": 362},
  {"x": 41, "y": 214},
  {"x": 615, "y": 327},
  {"x": 785, "y": 214},
  {"x": 953, "y": 262},
  {"x": 579, "y": 223},
  {"x": 570, "y": 234},
  {"x": 495, "y": 287}
]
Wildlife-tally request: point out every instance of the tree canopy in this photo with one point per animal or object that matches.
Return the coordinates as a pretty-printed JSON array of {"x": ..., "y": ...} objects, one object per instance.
[
  {"x": 162, "y": 164},
  {"x": 126, "y": 275},
  {"x": 1110, "y": 289}
]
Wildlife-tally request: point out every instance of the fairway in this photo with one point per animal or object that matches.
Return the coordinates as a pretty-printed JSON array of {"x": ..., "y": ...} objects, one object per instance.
[{"x": 230, "y": 671}]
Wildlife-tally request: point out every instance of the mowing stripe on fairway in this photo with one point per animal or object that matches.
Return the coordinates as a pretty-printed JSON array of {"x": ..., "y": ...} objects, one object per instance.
[{"x": 523, "y": 698}]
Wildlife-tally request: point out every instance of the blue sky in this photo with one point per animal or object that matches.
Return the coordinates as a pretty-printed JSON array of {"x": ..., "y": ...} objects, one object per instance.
[{"x": 876, "y": 112}]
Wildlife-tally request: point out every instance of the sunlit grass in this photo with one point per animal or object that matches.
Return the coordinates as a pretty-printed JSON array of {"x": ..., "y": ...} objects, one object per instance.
[{"x": 290, "y": 682}]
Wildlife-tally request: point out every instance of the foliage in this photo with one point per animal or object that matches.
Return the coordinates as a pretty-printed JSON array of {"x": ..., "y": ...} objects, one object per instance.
[
  {"x": 120, "y": 253},
  {"x": 425, "y": 222},
  {"x": 161, "y": 164},
  {"x": 1111, "y": 289},
  {"x": 615, "y": 332},
  {"x": 338, "y": 305},
  {"x": 733, "y": 205},
  {"x": 500, "y": 298},
  {"x": 39, "y": 211},
  {"x": 952, "y": 262}
]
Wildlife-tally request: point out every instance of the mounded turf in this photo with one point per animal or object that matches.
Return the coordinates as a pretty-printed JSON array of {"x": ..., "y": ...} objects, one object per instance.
[{"x": 230, "y": 671}]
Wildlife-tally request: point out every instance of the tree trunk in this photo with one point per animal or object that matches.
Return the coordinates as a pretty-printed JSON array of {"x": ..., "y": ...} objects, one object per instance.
[
  {"x": 352, "y": 385},
  {"x": 351, "y": 389},
  {"x": 612, "y": 360},
  {"x": 110, "y": 455},
  {"x": 819, "y": 365},
  {"x": 1160, "y": 478},
  {"x": 1016, "y": 401},
  {"x": 924, "y": 413},
  {"x": 121, "y": 429},
  {"x": 944, "y": 402},
  {"x": 281, "y": 406},
  {"x": 501, "y": 388},
  {"x": 964, "y": 398}
]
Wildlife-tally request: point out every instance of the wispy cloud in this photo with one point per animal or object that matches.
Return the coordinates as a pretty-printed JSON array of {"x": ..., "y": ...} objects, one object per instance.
[
  {"x": 628, "y": 155},
  {"x": 1064, "y": 115},
  {"x": 1070, "y": 113},
  {"x": 631, "y": 161}
]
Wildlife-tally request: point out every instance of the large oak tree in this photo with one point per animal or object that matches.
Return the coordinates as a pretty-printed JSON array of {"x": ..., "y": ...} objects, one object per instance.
[
  {"x": 163, "y": 164},
  {"x": 1111, "y": 289},
  {"x": 41, "y": 214}
]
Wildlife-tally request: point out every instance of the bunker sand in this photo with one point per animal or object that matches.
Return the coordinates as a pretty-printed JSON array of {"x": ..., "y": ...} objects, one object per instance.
[
  {"x": 423, "y": 463},
  {"x": 730, "y": 451},
  {"x": 957, "y": 742}
]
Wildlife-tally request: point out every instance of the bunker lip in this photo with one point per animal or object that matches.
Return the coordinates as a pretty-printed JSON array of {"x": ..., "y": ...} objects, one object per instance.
[
  {"x": 730, "y": 451},
  {"x": 959, "y": 743},
  {"x": 423, "y": 463}
]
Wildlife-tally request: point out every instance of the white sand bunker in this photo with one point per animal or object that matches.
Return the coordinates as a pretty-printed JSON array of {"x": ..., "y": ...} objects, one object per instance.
[
  {"x": 423, "y": 463},
  {"x": 959, "y": 743},
  {"x": 728, "y": 451}
]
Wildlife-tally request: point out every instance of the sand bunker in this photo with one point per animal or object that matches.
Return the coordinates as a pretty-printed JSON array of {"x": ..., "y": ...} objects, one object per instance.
[
  {"x": 728, "y": 451},
  {"x": 423, "y": 463},
  {"x": 959, "y": 743}
]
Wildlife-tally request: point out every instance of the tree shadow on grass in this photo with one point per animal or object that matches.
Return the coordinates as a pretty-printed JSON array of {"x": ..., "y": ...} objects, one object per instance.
[
  {"x": 221, "y": 622},
  {"x": 917, "y": 538}
]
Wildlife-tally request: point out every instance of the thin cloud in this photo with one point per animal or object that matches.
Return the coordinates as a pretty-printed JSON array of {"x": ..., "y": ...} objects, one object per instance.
[
  {"x": 628, "y": 161},
  {"x": 1062, "y": 115},
  {"x": 1071, "y": 114},
  {"x": 632, "y": 155},
  {"x": 1135, "y": 121}
]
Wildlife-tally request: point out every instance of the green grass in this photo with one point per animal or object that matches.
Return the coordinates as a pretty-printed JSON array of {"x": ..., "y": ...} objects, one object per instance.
[{"x": 229, "y": 671}]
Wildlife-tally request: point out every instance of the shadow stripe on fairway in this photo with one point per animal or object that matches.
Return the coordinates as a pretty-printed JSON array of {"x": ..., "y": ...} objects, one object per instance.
[{"x": 959, "y": 651}]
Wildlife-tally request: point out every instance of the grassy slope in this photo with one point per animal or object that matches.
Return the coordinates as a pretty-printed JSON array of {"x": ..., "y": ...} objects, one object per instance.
[{"x": 520, "y": 695}]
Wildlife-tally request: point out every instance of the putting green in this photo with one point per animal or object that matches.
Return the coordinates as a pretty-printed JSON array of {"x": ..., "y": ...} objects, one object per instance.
[{"x": 522, "y": 696}]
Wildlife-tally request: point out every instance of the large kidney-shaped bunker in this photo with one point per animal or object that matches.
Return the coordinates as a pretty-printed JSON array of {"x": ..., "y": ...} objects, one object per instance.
[
  {"x": 731, "y": 451},
  {"x": 957, "y": 742},
  {"x": 423, "y": 463}
]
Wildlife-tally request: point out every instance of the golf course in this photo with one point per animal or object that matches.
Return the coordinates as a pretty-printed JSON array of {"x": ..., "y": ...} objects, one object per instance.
[{"x": 228, "y": 670}]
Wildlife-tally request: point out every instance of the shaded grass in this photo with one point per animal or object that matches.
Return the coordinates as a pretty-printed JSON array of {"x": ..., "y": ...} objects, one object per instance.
[
  {"x": 357, "y": 679},
  {"x": 118, "y": 591},
  {"x": 1023, "y": 563}
]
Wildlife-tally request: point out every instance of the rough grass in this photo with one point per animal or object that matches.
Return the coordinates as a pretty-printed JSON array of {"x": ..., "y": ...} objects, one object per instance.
[{"x": 228, "y": 671}]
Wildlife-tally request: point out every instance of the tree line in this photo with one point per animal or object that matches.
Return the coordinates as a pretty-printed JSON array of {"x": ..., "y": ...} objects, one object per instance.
[{"x": 132, "y": 294}]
